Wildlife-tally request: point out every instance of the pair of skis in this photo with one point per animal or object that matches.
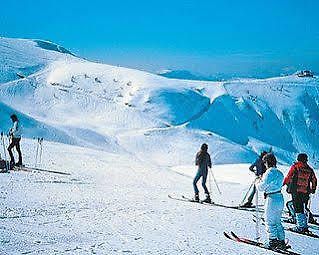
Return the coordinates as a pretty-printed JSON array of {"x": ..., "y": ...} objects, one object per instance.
[
  {"x": 186, "y": 199},
  {"x": 232, "y": 236},
  {"x": 31, "y": 169}
]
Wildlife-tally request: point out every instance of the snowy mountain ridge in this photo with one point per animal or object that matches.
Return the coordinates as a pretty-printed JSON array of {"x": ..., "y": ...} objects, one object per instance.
[{"x": 118, "y": 105}]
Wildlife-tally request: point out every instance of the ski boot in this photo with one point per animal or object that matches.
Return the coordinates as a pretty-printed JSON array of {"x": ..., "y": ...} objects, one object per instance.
[
  {"x": 247, "y": 205},
  {"x": 282, "y": 245},
  {"x": 196, "y": 198},
  {"x": 207, "y": 199},
  {"x": 272, "y": 244}
]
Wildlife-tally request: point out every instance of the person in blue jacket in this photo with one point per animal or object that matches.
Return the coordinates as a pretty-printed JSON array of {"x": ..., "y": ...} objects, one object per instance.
[{"x": 258, "y": 167}]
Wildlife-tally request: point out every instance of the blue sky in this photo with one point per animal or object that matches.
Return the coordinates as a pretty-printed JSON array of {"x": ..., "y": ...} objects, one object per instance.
[{"x": 240, "y": 38}]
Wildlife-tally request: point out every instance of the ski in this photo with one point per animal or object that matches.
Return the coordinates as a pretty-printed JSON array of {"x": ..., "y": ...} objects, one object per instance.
[
  {"x": 288, "y": 220},
  {"x": 235, "y": 238},
  {"x": 314, "y": 225},
  {"x": 307, "y": 233},
  {"x": 30, "y": 169},
  {"x": 250, "y": 209},
  {"x": 186, "y": 199}
]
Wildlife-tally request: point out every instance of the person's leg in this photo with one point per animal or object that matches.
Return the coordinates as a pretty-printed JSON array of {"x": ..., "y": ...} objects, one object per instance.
[
  {"x": 280, "y": 228},
  {"x": 270, "y": 223},
  {"x": 291, "y": 210},
  {"x": 10, "y": 147},
  {"x": 250, "y": 197},
  {"x": 299, "y": 209},
  {"x": 305, "y": 199},
  {"x": 17, "y": 145},
  {"x": 204, "y": 179},
  {"x": 196, "y": 179}
]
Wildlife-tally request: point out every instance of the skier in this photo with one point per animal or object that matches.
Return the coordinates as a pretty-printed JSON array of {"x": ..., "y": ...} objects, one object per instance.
[
  {"x": 15, "y": 135},
  {"x": 203, "y": 161},
  {"x": 260, "y": 169},
  {"x": 301, "y": 181},
  {"x": 271, "y": 183}
]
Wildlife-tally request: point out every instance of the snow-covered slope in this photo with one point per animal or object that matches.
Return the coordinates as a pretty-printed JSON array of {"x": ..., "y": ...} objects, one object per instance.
[{"x": 128, "y": 138}]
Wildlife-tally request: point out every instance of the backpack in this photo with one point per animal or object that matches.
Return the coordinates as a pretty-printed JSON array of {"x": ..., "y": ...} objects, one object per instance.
[{"x": 292, "y": 186}]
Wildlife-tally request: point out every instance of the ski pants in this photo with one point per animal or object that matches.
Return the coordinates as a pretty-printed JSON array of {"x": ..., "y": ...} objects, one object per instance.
[
  {"x": 200, "y": 173},
  {"x": 15, "y": 142},
  {"x": 252, "y": 194},
  {"x": 274, "y": 206},
  {"x": 300, "y": 201}
]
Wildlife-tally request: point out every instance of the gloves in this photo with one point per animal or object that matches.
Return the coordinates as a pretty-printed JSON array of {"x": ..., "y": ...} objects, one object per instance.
[{"x": 313, "y": 191}]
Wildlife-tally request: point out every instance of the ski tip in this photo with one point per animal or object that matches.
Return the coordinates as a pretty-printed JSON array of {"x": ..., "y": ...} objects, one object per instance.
[{"x": 227, "y": 235}]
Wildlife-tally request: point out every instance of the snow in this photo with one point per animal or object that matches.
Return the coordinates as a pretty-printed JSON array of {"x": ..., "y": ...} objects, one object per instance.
[{"x": 128, "y": 138}]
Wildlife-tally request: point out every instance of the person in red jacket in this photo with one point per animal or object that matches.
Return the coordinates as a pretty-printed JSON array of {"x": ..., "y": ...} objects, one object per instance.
[{"x": 302, "y": 181}]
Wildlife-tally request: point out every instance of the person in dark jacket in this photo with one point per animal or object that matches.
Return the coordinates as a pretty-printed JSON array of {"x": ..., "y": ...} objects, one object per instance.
[
  {"x": 259, "y": 168},
  {"x": 15, "y": 137},
  {"x": 203, "y": 162},
  {"x": 302, "y": 181}
]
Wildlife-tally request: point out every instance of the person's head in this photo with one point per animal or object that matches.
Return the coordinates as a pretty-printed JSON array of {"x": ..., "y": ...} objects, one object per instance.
[
  {"x": 262, "y": 154},
  {"x": 270, "y": 160},
  {"x": 204, "y": 147},
  {"x": 14, "y": 117},
  {"x": 302, "y": 157}
]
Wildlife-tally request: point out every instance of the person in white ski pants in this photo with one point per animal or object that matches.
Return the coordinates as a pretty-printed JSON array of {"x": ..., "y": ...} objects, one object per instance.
[{"x": 271, "y": 184}]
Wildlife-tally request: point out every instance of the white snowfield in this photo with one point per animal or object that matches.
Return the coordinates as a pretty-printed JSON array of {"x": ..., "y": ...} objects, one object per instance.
[{"x": 128, "y": 138}]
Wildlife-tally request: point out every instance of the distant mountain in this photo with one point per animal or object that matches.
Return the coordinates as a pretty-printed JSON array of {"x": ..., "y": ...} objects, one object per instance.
[{"x": 183, "y": 75}]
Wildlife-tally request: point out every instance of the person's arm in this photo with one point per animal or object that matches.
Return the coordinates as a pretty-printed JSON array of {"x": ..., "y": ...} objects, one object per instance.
[
  {"x": 264, "y": 182},
  {"x": 209, "y": 162},
  {"x": 13, "y": 129},
  {"x": 290, "y": 174},
  {"x": 197, "y": 160},
  {"x": 313, "y": 183},
  {"x": 251, "y": 168}
]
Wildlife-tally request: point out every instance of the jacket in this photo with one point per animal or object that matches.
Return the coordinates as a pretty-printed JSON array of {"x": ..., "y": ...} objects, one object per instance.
[
  {"x": 302, "y": 178},
  {"x": 271, "y": 182}
]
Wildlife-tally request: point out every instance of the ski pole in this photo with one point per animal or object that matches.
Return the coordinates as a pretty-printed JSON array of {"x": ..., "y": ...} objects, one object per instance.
[
  {"x": 36, "y": 153},
  {"x": 211, "y": 171},
  {"x": 210, "y": 183},
  {"x": 257, "y": 217},
  {"x": 4, "y": 152},
  {"x": 41, "y": 147}
]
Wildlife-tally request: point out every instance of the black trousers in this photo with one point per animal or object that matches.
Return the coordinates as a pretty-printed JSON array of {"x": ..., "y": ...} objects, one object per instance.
[
  {"x": 300, "y": 201},
  {"x": 15, "y": 142}
]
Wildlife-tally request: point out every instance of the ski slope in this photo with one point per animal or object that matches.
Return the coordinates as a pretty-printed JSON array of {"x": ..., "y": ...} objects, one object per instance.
[{"x": 128, "y": 138}]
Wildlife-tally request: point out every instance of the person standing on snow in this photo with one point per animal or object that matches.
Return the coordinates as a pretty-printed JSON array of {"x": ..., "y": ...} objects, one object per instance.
[
  {"x": 15, "y": 135},
  {"x": 258, "y": 167},
  {"x": 301, "y": 181},
  {"x": 203, "y": 162},
  {"x": 271, "y": 183}
]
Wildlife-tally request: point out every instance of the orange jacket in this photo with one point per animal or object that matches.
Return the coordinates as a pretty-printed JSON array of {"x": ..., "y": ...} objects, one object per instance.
[{"x": 303, "y": 176}]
